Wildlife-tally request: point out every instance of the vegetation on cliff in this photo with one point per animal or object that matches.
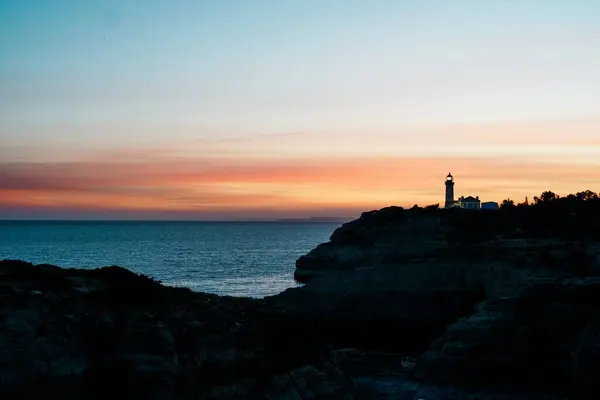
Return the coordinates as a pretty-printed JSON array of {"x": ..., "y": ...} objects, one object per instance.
[
  {"x": 486, "y": 299},
  {"x": 396, "y": 235},
  {"x": 575, "y": 216}
]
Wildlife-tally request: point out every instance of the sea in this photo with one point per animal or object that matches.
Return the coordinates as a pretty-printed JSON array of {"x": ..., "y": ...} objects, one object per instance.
[{"x": 250, "y": 259}]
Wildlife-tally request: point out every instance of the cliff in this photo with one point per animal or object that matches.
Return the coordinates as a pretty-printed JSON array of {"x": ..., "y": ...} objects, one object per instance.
[
  {"x": 546, "y": 336},
  {"x": 399, "y": 304},
  {"x": 109, "y": 333},
  {"x": 397, "y": 236},
  {"x": 409, "y": 273},
  {"x": 483, "y": 300}
]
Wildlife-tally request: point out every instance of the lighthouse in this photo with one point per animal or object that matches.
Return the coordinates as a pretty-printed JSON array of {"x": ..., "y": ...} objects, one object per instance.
[{"x": 449, "y": 191}]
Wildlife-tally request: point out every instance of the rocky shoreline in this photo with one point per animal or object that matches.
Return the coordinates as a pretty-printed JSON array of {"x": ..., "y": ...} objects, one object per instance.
[
  {"x": 400, "y": 304},
  {"x": 499, "y": 304},
  {"x": 109, "y": 333}
]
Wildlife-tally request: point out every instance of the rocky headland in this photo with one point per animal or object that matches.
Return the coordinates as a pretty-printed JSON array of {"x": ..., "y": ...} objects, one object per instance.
[
  {"x": 399, "y": 304},
  {"x": 490, "y": 304}
]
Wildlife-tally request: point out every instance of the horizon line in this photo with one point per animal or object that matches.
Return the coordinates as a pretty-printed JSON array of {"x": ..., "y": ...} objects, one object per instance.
[{"x": 308, "y": 220}]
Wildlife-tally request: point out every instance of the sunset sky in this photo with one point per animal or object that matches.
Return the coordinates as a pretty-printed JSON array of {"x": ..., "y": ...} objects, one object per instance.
[{"x": 229, "y": 109}]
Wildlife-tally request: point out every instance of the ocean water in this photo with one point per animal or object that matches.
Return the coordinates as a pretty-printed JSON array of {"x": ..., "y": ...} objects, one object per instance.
[{"x": 252, "y": 259}]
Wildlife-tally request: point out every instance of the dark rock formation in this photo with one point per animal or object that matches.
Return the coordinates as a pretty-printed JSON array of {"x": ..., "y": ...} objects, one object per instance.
[
  {"x": 377, "y": 237},
  {"x": 497, "y": 304},
  {"x": 545, "y": 336},
  {"x": 393, "y": 236},
  {"x": 390, "y": 376},
  {"x": 509, "y": 299},
  {"x": 379, "y": 283},
  {"x": 109, "y": 333},
  {"x": 407, "y": 274},
  {"x": 383, "y": 308}
]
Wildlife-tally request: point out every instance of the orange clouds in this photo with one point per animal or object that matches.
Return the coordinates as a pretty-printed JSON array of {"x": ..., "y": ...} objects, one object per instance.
[{"x": 275, "y": 187}]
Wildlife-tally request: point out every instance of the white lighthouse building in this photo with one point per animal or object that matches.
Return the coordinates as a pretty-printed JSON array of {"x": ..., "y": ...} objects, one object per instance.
[{"x": 469, "y": 202}]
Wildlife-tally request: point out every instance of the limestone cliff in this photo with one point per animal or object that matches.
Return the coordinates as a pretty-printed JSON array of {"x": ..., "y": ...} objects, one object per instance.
[
  {"x": 506, "y": 299},
  {"x": 527, "y": 236},
  {"x": 407, "y": 274}
]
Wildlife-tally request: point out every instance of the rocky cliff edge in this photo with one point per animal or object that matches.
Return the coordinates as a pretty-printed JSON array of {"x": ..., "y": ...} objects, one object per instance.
[
  {"x": 109, "y": 333},
  {"x": 485, "y": 300}
]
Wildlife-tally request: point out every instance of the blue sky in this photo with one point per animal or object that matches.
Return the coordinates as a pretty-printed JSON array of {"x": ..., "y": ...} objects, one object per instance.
[
  {"x": 243, "y": 67},
  {"x": 296, "y": 79}
]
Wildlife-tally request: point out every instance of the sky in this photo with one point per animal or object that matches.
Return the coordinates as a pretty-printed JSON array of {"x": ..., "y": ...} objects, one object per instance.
[{"x": 158, "y": 109}]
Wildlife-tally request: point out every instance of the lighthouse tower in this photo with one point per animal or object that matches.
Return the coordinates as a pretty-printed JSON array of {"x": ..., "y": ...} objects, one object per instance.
[{"x": 449, "y": 191}]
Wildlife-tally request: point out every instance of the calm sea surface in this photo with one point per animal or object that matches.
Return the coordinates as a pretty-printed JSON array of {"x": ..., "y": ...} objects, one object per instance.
[{"x": 228, "y": 258}]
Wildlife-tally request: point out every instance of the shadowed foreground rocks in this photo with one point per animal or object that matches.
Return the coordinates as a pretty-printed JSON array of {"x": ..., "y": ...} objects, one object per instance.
[
  {"x": 544, "y": 337},
  {"x": 109, "y": 333},
  {"x": 400, "y": 304},
  {"x": 519, "y": 235},
  {"x": 489, "y": 304},
  {"x": 381, "y": 309}
]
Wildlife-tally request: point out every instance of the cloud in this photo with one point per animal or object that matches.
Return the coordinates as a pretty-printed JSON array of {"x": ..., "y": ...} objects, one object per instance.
[
  {"x": 117, "y": 142},
  {"x": 234, "y": 186}
]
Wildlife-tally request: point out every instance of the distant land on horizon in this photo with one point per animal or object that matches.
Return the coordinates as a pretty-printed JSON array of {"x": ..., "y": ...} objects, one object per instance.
[
  {"x": 316, "y": 219},
  {"x": 257, "y": 220}
]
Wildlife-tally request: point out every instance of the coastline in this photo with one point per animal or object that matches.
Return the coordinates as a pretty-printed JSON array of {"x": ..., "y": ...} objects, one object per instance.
[
  {"x": 420, "y": 303},
  {"x": 233, "y": 258}
]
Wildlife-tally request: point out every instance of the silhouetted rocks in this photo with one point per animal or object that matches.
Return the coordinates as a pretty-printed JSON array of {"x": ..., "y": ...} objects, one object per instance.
[
  {"x": 394, "y": 235},
  {"x": 492, "y": 303},
  {"x": 407, "y": 274},
  {"x": 545, "y": 336},
  {"x": 377, "y": 237},
  {"x": 109, "y": 333},
  {"x": 488, "y": 305},
  {"x": 380, "y": 309}
]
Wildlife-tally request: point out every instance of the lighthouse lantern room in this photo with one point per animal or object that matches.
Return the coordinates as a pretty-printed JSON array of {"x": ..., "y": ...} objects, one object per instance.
[{"x": 449, "y": 191}]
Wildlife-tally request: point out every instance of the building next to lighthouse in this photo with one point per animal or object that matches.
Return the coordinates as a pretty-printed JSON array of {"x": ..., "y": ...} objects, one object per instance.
[
  {"x": 490, "y": 205},
  {"x": 468, "y": 202}
]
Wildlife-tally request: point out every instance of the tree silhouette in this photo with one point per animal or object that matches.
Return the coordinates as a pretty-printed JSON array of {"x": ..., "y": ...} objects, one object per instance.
[
  {"x": 586, "y": 195},
  {"x": 545, "y": 197},
  {"x": 507, "y": 203},
  {"x": 525, "y": 203}
]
